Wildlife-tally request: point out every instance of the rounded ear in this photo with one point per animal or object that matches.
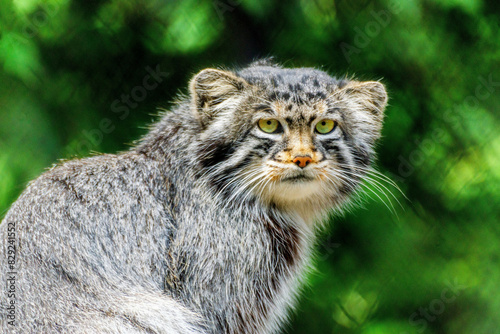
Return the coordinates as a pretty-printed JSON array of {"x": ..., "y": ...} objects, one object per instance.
[
  {"x": 366, "y": 102},
  {"x": 370, "y": 94},
  {"x": 214, "y": 90}
]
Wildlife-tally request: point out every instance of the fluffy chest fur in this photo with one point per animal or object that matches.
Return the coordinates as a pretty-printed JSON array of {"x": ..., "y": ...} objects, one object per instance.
[{"x": 243, "y": 272}]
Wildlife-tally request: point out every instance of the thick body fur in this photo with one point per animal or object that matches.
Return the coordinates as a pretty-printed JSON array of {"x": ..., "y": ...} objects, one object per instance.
[{"x": 195, "y": 229}]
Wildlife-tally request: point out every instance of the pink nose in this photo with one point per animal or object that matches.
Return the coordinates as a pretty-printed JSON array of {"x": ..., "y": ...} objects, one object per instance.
[{"x": 302, "y": 161}]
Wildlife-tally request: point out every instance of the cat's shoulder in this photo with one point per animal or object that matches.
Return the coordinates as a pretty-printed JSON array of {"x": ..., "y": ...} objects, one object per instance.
[{"x": 104, "y": 179}]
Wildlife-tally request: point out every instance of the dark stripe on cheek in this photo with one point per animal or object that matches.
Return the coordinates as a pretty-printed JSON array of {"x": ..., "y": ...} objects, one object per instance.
[
  {"x": 232, "y": 170},
  {"x": 361, "y": 157},
  {"x": 214, "y": 152},
  {"x": 330, "y": 144},
  {"x": 219, "y": 180},
  {"x": 341, "y": 159},
  {"x": 347, "y": 187},
  {"x": 265, "y": 145}
]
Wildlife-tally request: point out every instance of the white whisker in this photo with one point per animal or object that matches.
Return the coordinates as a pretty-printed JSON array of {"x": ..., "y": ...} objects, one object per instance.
[{"x": 377, "y": 185}]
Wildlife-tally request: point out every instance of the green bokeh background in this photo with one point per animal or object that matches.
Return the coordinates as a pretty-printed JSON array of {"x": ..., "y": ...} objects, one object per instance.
[{"x": 428, "y": 265}]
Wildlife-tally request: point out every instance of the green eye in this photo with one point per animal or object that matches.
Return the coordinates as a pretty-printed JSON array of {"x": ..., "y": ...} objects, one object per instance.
[
  {"x": 325, "y": 126},
  {"x": 269, "y": 125}
]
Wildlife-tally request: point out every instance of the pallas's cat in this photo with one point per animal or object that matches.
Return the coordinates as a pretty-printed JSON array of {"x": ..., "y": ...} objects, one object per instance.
[{"x": 206, "y": 225}]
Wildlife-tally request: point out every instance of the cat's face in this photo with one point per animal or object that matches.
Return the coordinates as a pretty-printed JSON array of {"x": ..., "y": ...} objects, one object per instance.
[{"x": 286, "y": 136}]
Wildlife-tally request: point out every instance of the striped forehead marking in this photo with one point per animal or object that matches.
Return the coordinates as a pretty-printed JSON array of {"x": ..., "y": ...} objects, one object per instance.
[{"x": 299, "y": 113}]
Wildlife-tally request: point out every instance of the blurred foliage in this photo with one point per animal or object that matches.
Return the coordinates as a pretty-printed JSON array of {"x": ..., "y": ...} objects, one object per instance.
[{"x": 72, "y": 83}]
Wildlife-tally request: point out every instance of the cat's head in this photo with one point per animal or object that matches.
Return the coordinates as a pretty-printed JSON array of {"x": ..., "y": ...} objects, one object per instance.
[{"x": 285, "y": 136}]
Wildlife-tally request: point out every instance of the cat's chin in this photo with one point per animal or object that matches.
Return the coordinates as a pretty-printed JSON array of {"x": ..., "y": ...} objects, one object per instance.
[
  {"x": 304, "y": 198},
  {"x": 295, "y": 189}
]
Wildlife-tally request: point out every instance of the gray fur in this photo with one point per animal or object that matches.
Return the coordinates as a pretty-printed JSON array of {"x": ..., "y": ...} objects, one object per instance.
[{"x": 171, "y": 236}]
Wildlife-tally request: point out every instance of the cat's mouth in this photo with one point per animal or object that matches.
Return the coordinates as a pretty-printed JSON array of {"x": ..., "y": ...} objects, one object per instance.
[{"x": 298, "y": 178}]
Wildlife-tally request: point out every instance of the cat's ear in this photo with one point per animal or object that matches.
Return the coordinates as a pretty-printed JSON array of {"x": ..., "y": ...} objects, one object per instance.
[
  {"x": 214, "y": 90},
  {"x": 366, "y": 101},
  {"x": 371, "y": 95}
]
